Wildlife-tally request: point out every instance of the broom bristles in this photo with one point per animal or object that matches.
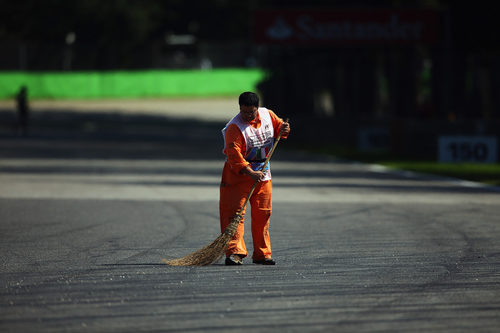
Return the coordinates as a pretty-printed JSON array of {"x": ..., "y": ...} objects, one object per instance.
[{"x": 210, "y": 253}]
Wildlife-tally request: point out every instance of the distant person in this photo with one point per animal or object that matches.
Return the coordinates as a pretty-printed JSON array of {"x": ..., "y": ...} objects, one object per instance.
[
  {"x": 205, "y": 63},
  {"x": 248, "y": 138},
  {"x": 22, "y": 111}
]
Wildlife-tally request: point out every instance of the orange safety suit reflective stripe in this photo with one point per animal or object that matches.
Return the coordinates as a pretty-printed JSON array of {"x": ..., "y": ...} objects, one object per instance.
[{"x": 235, "y": 188}]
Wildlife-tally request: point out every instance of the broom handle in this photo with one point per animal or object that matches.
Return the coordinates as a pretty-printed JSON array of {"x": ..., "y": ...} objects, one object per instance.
[{"x": 263, "y": 167}]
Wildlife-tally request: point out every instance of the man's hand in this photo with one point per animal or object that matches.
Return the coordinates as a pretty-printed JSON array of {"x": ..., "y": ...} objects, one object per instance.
[
  {"x": 285, "y": 129},
  {"x": 257, "y": 176}
]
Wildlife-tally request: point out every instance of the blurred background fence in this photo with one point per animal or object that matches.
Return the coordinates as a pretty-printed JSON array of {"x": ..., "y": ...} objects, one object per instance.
[{"x": 389, "y": 76}]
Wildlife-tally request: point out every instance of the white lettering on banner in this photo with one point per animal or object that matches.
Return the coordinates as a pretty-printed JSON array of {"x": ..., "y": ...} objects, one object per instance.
[
  {"x": 481, "y": 149},
  {"x": 346, "y": 30},
  {"x": 357, "y": 26},
  {"x": 280, "y": 30}
]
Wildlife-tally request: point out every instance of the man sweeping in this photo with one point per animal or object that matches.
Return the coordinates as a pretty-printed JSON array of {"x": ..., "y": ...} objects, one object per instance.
[{"x": 248, "y": 138}]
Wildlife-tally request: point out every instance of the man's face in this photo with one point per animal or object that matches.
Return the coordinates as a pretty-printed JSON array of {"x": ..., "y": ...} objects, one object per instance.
[{"x": 248, "y": 112}]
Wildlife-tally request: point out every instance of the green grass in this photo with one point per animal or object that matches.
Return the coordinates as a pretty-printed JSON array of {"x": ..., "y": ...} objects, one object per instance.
[
  {"x": 131, "y": 84},
  {"x": 483, "y": 173}
]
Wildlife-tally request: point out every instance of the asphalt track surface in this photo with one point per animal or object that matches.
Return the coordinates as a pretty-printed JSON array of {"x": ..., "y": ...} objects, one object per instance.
[{"x": 91, "y": 202}]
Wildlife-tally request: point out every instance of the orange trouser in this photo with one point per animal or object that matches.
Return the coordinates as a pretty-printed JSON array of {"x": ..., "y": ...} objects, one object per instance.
[{"x": 232, "y": 198}]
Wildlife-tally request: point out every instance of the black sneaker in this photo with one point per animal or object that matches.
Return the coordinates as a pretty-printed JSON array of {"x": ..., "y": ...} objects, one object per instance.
[
  {"x": 267, "y": 261},
  {"x": 234, "y": 260}
]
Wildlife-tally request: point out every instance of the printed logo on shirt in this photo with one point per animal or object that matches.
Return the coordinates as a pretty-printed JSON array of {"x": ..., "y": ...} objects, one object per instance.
[{"x": 256, "y": 141}]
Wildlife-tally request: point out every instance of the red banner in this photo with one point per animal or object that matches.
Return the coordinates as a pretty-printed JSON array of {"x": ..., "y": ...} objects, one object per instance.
[{"x": 358, "y": 27}]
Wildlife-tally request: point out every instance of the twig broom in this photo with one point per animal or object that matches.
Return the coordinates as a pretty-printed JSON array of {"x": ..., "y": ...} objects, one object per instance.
[{"x": 214, "y": 251}]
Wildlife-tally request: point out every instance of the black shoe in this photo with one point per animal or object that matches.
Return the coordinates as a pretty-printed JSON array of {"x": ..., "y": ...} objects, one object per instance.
[
  {"x": 267, "y": 261},
  {"x": 234, "y": 260}
]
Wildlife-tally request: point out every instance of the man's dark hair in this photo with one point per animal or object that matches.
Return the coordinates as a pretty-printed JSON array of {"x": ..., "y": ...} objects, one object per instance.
[{"x": 249, "y": 99}]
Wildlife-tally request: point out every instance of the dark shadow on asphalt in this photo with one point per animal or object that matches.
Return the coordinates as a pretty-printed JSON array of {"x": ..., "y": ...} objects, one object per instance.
[
  {"x": 151, "y": 264},
  {"x": 135, "y": 264},
  {"x": 108, "y": 135},
  {"x": 409, "y": 185},
  {"x": 59, "y": 134},
  {"x": 382, "y": 188}
]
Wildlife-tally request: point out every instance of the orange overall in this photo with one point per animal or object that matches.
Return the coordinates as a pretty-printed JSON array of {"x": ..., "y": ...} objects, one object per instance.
[{"x": 235, "y": 188}]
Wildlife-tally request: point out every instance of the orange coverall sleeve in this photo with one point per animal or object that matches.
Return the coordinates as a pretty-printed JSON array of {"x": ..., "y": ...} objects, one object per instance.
[
  {"x": 276, "y": 124},
  {"x": 235, "y": 148}
]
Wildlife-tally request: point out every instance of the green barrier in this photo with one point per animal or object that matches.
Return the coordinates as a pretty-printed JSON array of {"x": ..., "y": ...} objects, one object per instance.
[{"x": 131, "y": 84}]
